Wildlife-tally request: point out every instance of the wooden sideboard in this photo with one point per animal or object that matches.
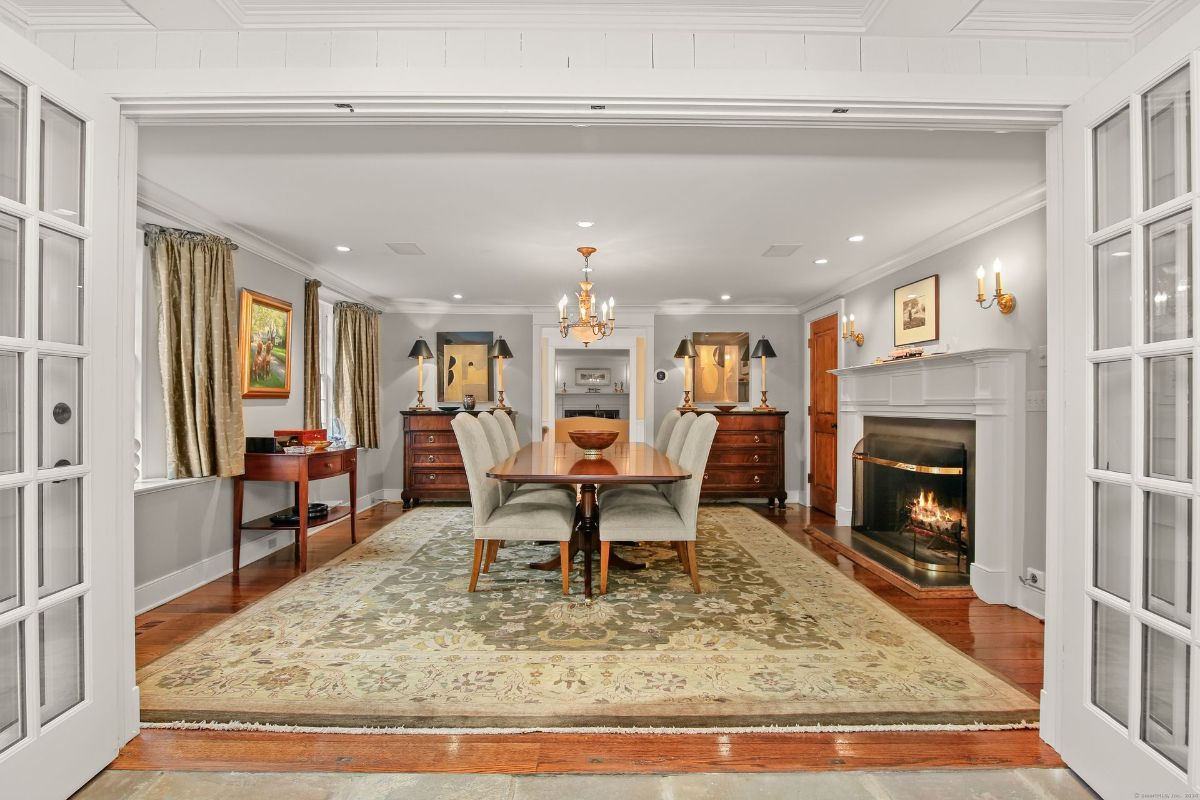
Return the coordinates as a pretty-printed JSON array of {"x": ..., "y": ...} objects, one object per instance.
[
  {"x": 747, "y": 456},
  {"x": 433, "y": 467}
]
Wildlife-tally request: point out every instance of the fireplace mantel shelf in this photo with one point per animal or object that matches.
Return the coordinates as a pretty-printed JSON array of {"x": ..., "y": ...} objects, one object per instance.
[{"x": 934, "y": 359}]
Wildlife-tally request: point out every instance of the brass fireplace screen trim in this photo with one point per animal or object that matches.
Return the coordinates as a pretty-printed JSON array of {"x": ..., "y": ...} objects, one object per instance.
[{"x": 887, "y": 462}]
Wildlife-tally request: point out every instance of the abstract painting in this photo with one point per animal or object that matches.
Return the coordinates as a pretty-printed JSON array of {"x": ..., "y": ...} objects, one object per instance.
[
  {"x": 722, "y": 367},
  {"x": 463, "y": 366}
]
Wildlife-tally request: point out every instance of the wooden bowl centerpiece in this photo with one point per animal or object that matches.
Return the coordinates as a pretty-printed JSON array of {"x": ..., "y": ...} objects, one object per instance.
[
  {"x": 592, "y": 442},
  {"x": 725, "y": 406}
]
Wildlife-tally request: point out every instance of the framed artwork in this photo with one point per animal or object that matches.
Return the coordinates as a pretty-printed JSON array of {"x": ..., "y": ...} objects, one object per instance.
[
  {"x": 463, "y": 366},
  {"x": 264, "y": 345},
  {"x": 593, "y": 376},
  {"x": 722, "y": 368},
  {"x": 916, "y": 313}
]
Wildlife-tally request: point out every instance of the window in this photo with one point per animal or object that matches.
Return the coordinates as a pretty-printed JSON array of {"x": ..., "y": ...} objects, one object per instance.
[{"x": 327, "y": 362}]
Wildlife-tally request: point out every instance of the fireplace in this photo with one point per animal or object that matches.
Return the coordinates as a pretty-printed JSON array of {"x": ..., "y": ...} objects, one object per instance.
[{"x": 912, "y": 493}]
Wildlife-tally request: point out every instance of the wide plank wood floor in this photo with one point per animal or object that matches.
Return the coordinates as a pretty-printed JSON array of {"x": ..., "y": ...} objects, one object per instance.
[{"x": 1006, "y": 641}]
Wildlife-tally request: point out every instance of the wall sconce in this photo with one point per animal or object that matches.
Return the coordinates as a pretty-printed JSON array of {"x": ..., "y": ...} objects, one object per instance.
[
  {"x": 687, "y": 351},
  {"x": 420, "y": 351},
  {"x": 500, "y": 352},
  {"x": 848, "y": 331},
  {"x": 1006, "y": 302}
]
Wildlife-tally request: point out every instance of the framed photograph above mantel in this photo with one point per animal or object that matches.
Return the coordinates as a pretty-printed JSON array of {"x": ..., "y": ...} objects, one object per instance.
[
  {"x": 917, "y": 311},
  {"x": 264, "y": 345}
]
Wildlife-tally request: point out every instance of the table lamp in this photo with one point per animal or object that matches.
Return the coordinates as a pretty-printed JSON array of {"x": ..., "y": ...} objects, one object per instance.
[
  {"x": 420, "y": 351},
  {"x": 763, "y": 351},
  {"x": 500, "y": 351},
  {"x": 687, "y": 351}
]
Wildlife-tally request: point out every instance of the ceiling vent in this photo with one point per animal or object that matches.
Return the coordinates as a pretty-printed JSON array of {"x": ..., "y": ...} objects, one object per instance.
[
  {"x": 406, "y": 249},
  {"x": 781, "y": 250}
]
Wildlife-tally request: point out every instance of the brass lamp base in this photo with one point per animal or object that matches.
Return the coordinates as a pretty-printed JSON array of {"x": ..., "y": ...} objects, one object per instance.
[
  {"x": 764, "y": 406},
  {"x": 500, "y": 400},
  {"x": 420, "y": 406},
  {"x": 687, "y": 404}
]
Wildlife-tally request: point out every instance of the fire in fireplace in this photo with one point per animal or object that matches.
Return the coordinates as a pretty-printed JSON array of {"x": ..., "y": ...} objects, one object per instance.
[{"x": 911, "y": 498}]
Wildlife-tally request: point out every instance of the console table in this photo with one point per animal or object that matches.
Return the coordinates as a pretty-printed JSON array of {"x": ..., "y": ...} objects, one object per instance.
[{"x": 298, "y": 470}]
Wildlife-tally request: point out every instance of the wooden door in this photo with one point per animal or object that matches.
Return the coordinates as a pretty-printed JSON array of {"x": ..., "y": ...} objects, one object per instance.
[{"x": 823, "y": 414}]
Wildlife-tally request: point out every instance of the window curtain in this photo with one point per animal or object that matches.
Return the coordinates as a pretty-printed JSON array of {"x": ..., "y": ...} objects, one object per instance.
[
  {"x": 197, "y": 345},
  {"x": 312, "y": 354},
  {"x": 356, "y": 393}
]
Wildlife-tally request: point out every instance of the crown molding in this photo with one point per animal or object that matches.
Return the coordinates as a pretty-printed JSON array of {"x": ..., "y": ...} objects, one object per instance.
[
  {"x": 159, "y": 199},
  {"x": 998, "y": 215},
  {"x": 550, "y": 311},
  {"x": 83, "y": 16},
  {"x": 14, "y": 16},
  {"x": 1060, "y": 24}
]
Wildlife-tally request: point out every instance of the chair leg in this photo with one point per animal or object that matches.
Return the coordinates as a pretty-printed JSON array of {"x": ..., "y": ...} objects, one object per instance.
[
  {"x": 489, "y": 558},
  {"x": 681, "y": 554},
  {"x": 605, "y": 550},
  {"x": 564, "y": 555},
  {"x": 693, "y": 569},
  {"x": 475, "y": 559}
]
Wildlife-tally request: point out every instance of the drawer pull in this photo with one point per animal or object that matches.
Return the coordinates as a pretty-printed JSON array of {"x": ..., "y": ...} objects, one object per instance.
[
  {"x": 433, "y": 477},
  {"x": 430, "y": 439},
  {"x": 756, "y": 458},
  {"x": 757, "y": 438},
  {"x": 757, "y": 479},
  {"x": 431, "y": 459},
  {"x": 706, "y": 476}
]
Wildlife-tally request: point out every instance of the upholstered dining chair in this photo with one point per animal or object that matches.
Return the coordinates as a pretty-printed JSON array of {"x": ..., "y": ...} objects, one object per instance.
[
  {"x": 667, "y": 517},
  {"x": 663, "y": 437},
  {"x": 493, "y": 521},
  {"x": 502, "y": 449},
  {"x": 672, "y": 447},
  {"x": 509, "y": 430}
]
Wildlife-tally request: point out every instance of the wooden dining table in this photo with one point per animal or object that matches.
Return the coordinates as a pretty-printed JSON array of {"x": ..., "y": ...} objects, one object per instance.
[{"x": 553, "y": 462}]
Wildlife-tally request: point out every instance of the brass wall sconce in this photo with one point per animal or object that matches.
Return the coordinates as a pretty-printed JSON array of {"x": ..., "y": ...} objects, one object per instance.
[
  {"x": 687, "y": 351},
  {"x": 1005, "y": 301},
  {"x": 848, "y": 331},
  {"x": 500, "y": 353}
]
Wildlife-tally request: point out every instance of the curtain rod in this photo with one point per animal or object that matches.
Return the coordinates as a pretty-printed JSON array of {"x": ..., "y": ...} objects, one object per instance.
[{"x": 146, "y": 234}]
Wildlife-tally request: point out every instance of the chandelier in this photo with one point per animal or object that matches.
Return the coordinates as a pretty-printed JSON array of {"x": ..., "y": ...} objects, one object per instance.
[{"x": 588, "y": 327}]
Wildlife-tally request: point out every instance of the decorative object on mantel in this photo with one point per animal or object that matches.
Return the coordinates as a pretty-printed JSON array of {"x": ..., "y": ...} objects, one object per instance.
[
  {"x": 1003, "y": 300},
  {"x": 499, "y": 352},
  {"x": 464, "y": 366},
  {"x": 686, "y": 351},
  {"x": 588, "y": 327},
  {"x": 420, "y": 351},
  {"x": 848, "y": 331},
  {"x": 901, "y": 353},
  {"x": 917, "y": 311},
  {"x": 264, "y": 344},
  {"x": 763, "y": 351}
]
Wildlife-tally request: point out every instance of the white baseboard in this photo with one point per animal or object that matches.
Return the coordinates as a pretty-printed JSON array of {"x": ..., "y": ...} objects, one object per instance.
[
  {"x": 990, "y": 585},
  {"x": 161, "y": 590}
]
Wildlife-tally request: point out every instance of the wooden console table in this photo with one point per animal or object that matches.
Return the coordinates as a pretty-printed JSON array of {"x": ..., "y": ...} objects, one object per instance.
[{"x": 298, "y": 470}]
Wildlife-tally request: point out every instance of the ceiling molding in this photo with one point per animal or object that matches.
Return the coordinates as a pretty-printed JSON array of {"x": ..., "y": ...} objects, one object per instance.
[
  {"x": 1059, "y": 23},
  {"x": 14, "y": 15},
  {"x": 1000, "y": 214},
  {"x": 161, "y": 200},
  {"x": 74, "y": 17},
  {"x": 548, "y": 310}
]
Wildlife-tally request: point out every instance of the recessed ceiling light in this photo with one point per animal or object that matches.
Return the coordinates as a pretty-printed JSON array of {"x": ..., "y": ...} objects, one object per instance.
[
  {"x": 821, "y": 261},
  {"x": 1120, "y": 254},
  {"x": 724, "y": 297},
  {"x": 585, "y": 223},
  {"x": 341, "y": 248},
  {"x": 457, "y": 296},
  {"x": 858, "y": 237}
]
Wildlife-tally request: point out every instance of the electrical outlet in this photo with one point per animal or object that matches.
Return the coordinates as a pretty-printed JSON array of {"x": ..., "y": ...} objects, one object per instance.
[
  {"x": 1035, "y": 577},
  {"x": 1035, "y": 400}
]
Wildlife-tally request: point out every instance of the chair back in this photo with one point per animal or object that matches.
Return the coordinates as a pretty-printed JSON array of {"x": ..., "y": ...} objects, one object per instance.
[
  {"x": 663, "y": 437},
  {"x": 477, "y": 459},
  {"x": 679, "y": 435},
  {"x": 685, "y": 495},
  {"x": 499, "y": 447},
  {"x": 509, "y": 430}
]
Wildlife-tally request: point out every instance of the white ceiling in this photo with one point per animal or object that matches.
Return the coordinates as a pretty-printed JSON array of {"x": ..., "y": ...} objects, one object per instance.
[
  {"x": 682, "y": 215},
  {"x": 879, "y": 17}
]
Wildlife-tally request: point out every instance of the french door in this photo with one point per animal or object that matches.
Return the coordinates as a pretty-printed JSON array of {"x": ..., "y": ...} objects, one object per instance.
[
  {"x": 1130, "y": 503},
  {"x": 61, "y": 712}
]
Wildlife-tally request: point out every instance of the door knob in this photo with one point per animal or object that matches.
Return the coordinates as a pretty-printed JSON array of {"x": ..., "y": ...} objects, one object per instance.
[{"x": 833, "y": 426}]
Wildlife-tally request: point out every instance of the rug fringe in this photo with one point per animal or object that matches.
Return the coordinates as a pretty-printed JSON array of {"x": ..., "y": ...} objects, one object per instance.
[{"x": 276, "y": 728}]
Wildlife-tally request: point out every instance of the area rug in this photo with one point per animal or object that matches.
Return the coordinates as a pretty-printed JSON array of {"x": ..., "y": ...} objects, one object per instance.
[{"x": 387, "y": 637}]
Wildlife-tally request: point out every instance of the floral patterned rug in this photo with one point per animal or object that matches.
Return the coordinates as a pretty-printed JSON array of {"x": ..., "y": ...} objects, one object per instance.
[{"x": 386, "y": 636}]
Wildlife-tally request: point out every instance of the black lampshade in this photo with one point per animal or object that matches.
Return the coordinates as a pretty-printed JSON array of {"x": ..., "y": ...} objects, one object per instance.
[
  {"x": 686, "y": 349},
  {"x": 420, "y": 349},
  {"x": 500, "y": 349},
  {"x": 763, "y": 348}
]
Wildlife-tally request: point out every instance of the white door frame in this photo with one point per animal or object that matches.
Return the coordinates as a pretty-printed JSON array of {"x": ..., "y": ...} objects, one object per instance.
[{"x": 836, "y": 307}]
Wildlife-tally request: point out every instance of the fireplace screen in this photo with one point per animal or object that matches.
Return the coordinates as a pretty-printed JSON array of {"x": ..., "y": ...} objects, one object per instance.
[{"x": 910, "y": 496}]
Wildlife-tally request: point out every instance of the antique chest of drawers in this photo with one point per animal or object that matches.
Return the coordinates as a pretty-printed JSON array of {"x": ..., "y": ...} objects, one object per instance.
[
  {"x": 433, "y": 466},
  {"x": 747, "y": 456}
]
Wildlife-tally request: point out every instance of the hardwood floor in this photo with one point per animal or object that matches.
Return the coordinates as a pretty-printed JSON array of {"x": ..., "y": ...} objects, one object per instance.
[{"x": 1007, "y": 641}]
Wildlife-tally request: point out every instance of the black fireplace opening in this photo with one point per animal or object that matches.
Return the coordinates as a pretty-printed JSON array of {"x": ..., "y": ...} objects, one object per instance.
[{"x": 912, "y": 497}]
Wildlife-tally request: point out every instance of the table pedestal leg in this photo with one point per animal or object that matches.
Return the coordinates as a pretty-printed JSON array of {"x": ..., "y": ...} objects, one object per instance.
[{"x": 589, "y": 531}]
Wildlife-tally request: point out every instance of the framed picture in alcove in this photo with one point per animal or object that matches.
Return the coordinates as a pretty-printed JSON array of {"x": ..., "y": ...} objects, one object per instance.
[
  {"x": 916, "y": 313},
  {"x": 463, "y": 366}
]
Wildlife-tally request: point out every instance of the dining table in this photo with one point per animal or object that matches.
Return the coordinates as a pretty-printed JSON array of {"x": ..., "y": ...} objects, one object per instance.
[{"x": 552, "y": 462}]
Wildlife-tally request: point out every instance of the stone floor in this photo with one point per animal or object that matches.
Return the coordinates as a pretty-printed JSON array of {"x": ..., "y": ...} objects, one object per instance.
[{"x": 1014, "y": 784}]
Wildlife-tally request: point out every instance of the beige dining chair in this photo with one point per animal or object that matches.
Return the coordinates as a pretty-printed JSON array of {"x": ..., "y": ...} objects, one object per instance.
[
  {"x": 493, "y": 521},
  {"x": 509, "y": 430},
  {"x": 504, "y": 447},
  {"x": 673, "y": 447},
  {"x": 667, "y": 517},
  {"x": 663, "y": 437}
]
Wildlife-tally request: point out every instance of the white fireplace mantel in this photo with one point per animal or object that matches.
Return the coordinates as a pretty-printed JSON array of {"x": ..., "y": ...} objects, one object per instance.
[{"x": 986, "y": 386}]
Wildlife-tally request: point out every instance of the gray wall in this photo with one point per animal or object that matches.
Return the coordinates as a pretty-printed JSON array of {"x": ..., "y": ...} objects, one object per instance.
[
  {"x": 1021, "y": 247},
  {"x": 784, "y": 373}
]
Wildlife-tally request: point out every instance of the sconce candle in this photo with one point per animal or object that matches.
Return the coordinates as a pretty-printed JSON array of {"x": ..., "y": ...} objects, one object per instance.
[
  {"x": 848, "y": 331},
  {"x": 979, "y": 280},
  {"x": 996, "y": 272},
  {"x": 1005, "y": 301}
]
